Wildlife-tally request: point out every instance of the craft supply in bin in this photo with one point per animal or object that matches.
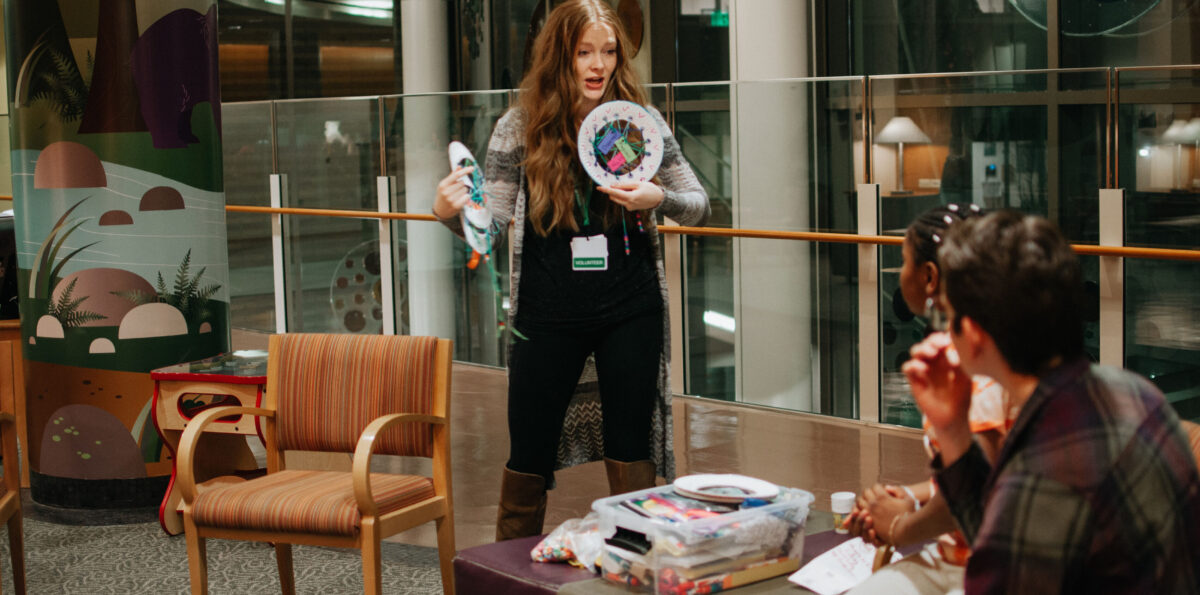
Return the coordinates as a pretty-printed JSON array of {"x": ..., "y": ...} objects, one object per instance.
[{"x": 696, "y": 546}]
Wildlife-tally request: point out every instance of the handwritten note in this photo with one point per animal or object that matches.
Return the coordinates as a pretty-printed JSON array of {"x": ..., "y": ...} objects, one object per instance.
[{"x": 838, "y": 569}]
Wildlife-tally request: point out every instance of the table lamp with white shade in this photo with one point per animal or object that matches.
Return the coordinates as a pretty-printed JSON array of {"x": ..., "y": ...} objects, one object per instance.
[{"x": 900, "y": 130}]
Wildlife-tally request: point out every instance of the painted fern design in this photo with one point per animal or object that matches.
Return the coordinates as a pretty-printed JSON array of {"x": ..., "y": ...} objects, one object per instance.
[
  {"x": 67, "y": 100},
  {"x": 66, "y": 308},
  {"x": 136, "y": 297},
  {"x": 185, "y": 294}
]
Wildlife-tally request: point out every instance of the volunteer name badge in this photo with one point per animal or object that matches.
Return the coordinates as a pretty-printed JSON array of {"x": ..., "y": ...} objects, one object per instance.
[{"x": 589, "y": 253}]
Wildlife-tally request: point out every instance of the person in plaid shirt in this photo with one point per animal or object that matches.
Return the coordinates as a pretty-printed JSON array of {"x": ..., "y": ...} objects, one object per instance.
[{"x": 1095, "y": 489}]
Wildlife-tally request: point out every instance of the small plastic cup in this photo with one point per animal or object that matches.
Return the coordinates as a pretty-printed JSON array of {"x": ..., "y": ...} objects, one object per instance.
[{"x": 841, "y": 503}]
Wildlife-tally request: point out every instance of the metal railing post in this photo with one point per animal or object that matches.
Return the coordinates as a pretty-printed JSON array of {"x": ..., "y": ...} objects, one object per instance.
[
  {"x": 868, "y": 305},
  {"x": 278, "y": 200},
  {"x": 1112, "y": 278},
  {"x": 385, "y": 190}
]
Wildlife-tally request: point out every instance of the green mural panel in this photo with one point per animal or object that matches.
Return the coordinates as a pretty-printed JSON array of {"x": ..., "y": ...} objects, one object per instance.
[{"x": 120, "y": 224}]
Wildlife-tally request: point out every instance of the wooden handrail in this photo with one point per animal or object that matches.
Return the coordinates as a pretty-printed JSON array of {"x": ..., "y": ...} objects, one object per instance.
[
  {"x": 804, "y": 236},
  {"x": 1135, "y": 252},
  {"x": 329, "y": 213}
]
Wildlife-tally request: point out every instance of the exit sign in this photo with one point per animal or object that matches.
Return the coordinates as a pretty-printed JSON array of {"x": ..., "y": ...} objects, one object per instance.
[{"x": 719, "y": 18}]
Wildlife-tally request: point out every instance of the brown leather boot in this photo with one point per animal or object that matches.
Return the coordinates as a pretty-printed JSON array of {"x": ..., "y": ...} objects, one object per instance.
[
  {"x": 628, "y": 477},
  {"x": 522, "y": 505}
]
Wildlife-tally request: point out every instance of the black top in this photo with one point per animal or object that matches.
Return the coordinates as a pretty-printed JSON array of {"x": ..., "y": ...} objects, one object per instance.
[{"x": 555, "y": 298}]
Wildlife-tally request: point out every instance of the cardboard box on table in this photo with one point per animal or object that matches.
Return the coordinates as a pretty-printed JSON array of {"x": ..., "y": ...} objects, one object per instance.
[{"x": 702, "y": 555}]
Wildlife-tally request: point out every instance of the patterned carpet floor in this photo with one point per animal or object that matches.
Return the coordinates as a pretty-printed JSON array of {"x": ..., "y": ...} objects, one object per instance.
[{"x": 140, "y": 558}]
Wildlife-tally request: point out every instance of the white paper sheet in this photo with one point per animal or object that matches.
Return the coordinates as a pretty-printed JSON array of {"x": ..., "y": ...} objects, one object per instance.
[{"x": 838, "y": 569}]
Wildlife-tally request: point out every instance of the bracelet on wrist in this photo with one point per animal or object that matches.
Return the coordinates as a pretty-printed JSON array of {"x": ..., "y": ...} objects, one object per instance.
[
  {"x": 893, "y": 538},
  {"x": 917, "y": 503}
]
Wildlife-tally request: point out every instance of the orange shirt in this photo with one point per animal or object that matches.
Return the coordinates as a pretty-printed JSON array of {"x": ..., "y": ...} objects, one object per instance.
[{"x": 990, "y": 410}]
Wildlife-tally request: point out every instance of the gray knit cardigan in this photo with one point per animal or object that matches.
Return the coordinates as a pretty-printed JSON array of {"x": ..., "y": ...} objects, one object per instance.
[{"x": 684, "y": 201}]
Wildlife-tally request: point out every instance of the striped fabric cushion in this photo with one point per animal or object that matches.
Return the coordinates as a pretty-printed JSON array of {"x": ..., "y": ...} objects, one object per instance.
[
  {"x": 303, "y": 501},
  {"x": 331, "y": 386}
]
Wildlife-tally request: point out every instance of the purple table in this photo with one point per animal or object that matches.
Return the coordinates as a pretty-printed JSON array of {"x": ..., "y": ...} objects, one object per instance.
[{"x": 506, "y": 569}]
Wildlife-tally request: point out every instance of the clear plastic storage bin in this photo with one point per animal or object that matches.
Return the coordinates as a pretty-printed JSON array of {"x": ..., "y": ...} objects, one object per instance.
[{"x": 667, "y": 543}]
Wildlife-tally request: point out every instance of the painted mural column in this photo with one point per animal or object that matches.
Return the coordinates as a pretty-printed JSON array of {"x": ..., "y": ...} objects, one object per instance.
[{"x": 120, "y": 223}]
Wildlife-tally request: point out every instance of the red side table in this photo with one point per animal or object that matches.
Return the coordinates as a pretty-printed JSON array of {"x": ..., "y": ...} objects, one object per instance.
[{"x": 184, "y": 390}]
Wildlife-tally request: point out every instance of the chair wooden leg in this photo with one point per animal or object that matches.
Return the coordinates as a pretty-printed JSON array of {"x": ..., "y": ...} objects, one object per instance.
[
  {"x": 445, "y": 539},
  {"x": 197, "y": 556},
  {"x": 372, "y": 571},
  {"x": 287, "y": 574},
  {"x": 16, "y": 545}
]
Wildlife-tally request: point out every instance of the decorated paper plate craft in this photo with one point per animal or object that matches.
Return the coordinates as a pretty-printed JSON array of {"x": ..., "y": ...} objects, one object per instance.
[
  {"x": 461, "y": 156},
  {"x": 477, "y": 222},
  {"x": 725, "y": 487},
  {"x": 475, "y": 216},
  {"x": 619, "y": 141}
]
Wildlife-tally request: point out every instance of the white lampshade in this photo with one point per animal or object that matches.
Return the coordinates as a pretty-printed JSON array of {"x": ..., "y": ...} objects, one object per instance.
[
  {"x": 901, "y": 129},
  {"x": 1176, "y": 133}
]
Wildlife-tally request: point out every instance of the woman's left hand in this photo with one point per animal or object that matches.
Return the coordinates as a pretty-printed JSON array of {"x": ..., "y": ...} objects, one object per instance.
[{"x": 635, "y": 196}]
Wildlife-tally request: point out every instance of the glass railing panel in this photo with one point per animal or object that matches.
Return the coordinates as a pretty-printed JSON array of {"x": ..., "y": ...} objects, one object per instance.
[
  {"x": 1162, "y": 328},
  {"x": 899, "y": 329},
  {"x": 1078, "y": 158},
  {"x": 329, "y": 150},
  {"x": 659, "y": 95},
  {"x": 1081, "y": 170},
  {"x": 430, "y": 262},
  {"x": 1089, "y": 80},
  {"x": 799, "y": 158},
  {"x": 1158, "y": 156},
  {"x": 794, "y": 177},
  {"x": 798, "y": 154},
  {"x": 782, "y": 358},
  {"x": 966, "y": 83},
  {"x": 1000, "y": 140},
  {"x": 938, "y": 141},
  {"x": 955, "y": 139},
  {"x": 246, "y": 149},
  {"x": 702, "y": 128},
  {"x": 1158, "y": 164}
]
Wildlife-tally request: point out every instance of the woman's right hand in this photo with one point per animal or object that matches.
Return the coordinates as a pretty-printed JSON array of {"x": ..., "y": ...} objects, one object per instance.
[
  {"x": 942, "y": 390},
  {"x": 452, "y": 193}
]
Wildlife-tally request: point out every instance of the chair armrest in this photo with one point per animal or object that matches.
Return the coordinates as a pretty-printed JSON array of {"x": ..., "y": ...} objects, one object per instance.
[
  {"x": 10, "y": 451},
  {"x": 361, "y": 467},
  {"x": 185, "y": 471}
]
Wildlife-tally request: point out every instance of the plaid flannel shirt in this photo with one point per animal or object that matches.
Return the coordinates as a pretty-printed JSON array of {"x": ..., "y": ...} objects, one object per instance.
[{"x": 1094, "y": 491}]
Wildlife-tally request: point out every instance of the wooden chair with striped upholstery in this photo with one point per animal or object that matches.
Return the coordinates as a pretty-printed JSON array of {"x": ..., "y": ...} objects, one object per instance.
[
  {"x": 10, "y": 496},
  {"x": 334, "y": 393}
]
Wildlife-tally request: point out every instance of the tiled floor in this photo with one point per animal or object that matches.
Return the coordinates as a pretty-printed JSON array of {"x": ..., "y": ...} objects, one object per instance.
[{"x": 816, "y": 453}]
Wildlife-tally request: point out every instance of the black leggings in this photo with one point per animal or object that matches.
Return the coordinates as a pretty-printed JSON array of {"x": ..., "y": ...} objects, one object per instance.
[{"x": 543, "y": 372}]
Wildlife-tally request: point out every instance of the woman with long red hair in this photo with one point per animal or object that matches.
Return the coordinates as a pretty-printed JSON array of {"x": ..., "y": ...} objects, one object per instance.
[{"x": 588, "y": 369}]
